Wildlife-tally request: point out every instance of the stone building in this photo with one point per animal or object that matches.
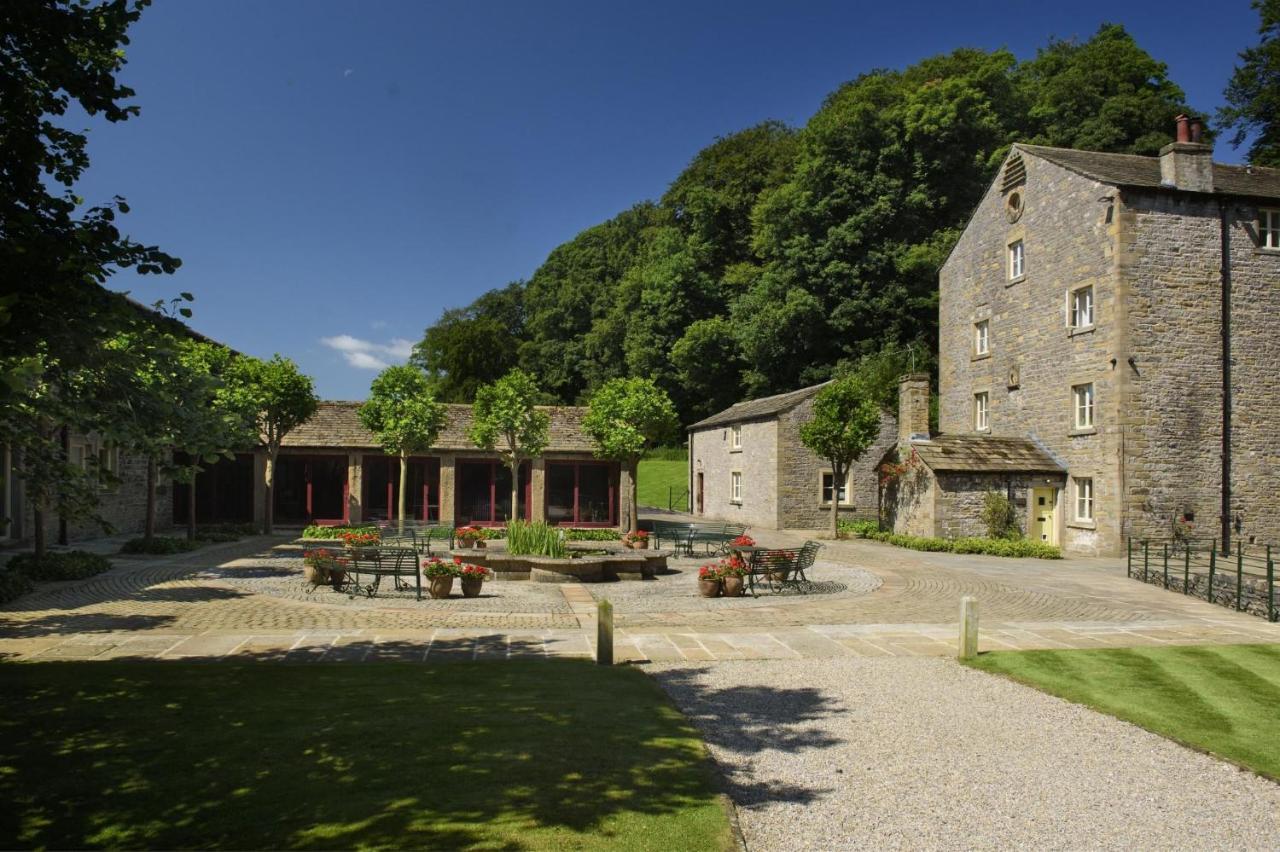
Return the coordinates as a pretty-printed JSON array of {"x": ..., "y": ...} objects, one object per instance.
[
  {"x": 1122, "y": 313},
  {"x": 747, "y": 465}
]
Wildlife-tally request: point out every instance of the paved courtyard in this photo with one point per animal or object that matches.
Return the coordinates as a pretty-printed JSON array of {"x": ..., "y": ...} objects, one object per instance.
[{"x": 248, "y": 599}]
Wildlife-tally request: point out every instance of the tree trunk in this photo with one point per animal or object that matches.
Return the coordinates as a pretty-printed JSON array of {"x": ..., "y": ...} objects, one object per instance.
[
  {"x": 270, "y": 474},
  {"x": 149, "y": 522},
  {"x": 837, "y": 477},
  {"x": 66, "y": 456},
  {"x": 633, "y": 511},
  {"x": 191, "y": 505},
  {"x": 404, "y": 488},
  {"x": 38, "y": 543},
  {"x": 515, "y": 491}
]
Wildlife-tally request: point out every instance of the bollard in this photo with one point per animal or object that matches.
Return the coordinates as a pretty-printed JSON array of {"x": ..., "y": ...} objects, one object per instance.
[
  {"x": 604, "y": 633},
  {"x": 968, "y": 627}
]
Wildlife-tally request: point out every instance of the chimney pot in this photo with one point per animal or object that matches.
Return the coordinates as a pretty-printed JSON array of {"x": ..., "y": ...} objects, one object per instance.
[
  {"x": 1197, "y": 129},
  {"x": 1184, "y": 131}
]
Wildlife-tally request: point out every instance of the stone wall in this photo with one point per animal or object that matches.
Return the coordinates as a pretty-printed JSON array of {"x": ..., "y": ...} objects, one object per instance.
[
  {"x": 910, "y": 501},
  {"x": 712, "y": 456},
  {"x": 961, "y": 498},
  {"x": 800, "y": 471},
  {"x": 122, "y": 505},
  {"x": 1068, "y": 236}
]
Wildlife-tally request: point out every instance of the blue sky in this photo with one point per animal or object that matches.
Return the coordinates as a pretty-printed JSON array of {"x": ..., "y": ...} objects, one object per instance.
[{"x": 335, "y": 174}]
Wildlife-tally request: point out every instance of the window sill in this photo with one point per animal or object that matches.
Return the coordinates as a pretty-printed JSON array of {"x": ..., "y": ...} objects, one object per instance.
[
  {"x": 1073, "y": 331},
  {"x": 1082, "y": 525},
  {"x": 843, "y": 506},
  {"x": 981, "y": 357},
  {"x": 986, "y": 431},
  {"x": 1268, "y": 252},
  {"x": 1018, "y": 280},
  {"x": 735, "y": 449},
  {"x": 735, "y": 502},
  {"x": 1076, "y": 433}
]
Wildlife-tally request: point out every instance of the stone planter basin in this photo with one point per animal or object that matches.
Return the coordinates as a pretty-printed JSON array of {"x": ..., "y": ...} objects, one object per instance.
[{"x": 596, "y": 568}]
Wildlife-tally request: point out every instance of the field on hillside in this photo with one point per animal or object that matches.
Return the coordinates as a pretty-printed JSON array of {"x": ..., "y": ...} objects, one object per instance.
[{"x": 664, "y": 477}]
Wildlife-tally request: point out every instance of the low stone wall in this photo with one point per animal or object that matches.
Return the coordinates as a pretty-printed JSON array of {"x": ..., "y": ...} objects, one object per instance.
[
  {"x": 1253, "y": 591},
  {"x": 612, "y": 567}
]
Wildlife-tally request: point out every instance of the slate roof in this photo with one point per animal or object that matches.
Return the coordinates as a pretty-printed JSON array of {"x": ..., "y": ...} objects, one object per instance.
[
  {"x": 985, "y": 454},
  {"x": 1139, "y": 171},
  {"x": 758, "y": 409},
  {"x": 336, "y": 424}
]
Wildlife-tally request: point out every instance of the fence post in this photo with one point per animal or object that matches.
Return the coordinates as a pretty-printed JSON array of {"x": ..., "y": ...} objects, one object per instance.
[
  {"x": 1186, "y": 569},
  {"x": 968, "y": 627},
  {"x": 1271, "y": 587},
  {"x": 604, "y": 633},
  {"x": 1128, "y": 563},
  {"x": 1239, "y": 573},
  {"x": 1146, "y": 560},
  {"x": 1213, "y": 563},
  {"x": 1166, "y": 564}
]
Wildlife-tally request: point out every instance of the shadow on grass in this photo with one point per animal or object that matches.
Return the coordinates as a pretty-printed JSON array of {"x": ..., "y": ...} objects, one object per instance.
[{"x": 523, "y": 754}]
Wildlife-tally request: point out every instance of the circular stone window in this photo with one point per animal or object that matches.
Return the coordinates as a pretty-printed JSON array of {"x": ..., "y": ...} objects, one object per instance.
[{"x": 1013, "y": 206}]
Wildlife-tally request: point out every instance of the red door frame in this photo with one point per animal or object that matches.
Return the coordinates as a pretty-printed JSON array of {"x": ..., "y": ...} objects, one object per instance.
[
  {"x": 577, "y": 485},
  {"x": 346, "y": 493},
  {"x": 493, "y": 466}
]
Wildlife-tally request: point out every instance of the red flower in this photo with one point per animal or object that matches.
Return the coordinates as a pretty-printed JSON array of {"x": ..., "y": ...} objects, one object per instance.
[{"x": 457, "y": 560}]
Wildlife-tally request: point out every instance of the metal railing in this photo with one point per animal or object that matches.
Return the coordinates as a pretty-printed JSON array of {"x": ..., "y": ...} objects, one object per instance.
[
  {"x": 1244, "y": 580},
  {"x": 677, "y": 499}
]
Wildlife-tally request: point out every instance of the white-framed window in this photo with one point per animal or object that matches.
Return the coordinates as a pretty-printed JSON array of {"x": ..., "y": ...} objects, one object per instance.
[
  {"x": 1017, "y": 260},
  {"x": 1084, "y": 498},
  {"x": 1083, "y": 405},
  {"x": 1082, "y": 307},
  {"x": 108, "y": 457},
  {"x": 78, "y": 454},
  {"x": 735, "y": 486},
  {"x": 982, "y": 337},
  {"x": 735, "y": 437},
  {"x": 1269, "y": 229},
  {"x": 828, "y": 479},
  {"x": 981, "y": 411}
]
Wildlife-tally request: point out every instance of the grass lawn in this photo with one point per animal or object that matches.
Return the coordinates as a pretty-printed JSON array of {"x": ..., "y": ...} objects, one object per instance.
[
  {"x": 487, "y": 755},
  {"x": 656, "y": 475},
  {"x": 1219, "y": 698}
]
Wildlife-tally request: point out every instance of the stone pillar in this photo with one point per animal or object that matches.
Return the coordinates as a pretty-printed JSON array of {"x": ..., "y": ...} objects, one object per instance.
[
  {"x": 259, "y": 487},
  {"x": 448, "y": 467},
  {"x": 624, "y": 499},
  {"x": 538, "y": 488},
  {"x": 355, "y": 470},
  {"x": 913, "y": 407}
]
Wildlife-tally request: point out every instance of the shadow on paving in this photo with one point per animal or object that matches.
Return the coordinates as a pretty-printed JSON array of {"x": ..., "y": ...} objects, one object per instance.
[
  {"x": 69, "y": 623},
  {"x": 751, "y": 720},
  {"x": 524, "y": 754}
]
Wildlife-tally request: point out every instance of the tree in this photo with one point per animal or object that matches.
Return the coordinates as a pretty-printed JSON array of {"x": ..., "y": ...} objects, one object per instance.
[
  {"x": 626, "y": 418},
  {"x": 1253, "y": 93},
  {"x": 280, "y": 399},
  {"x": 845, "y": 422},
  {"x": 404, "y": 418},
  {"x": 471, "y": 346},
  {"x": 504, "y": 418}
]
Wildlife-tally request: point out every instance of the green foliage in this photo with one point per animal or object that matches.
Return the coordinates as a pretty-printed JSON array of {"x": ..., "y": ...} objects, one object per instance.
[
  {"x": 505, "y": 418},
  {"x": 859, "y": 529},
  {"x": 1000, "y": 517},
  {"x": 472, "y": 346},
  {"x": 627, "y": 417},
  {"x": 987, "y": 546},
  {"x": 158, "y": 545},
  {"x": 535, "y": 538},
  {"x": 400, "y": 411},
  {"x": 592, "y": 534},
  {"x": 1253, "y": 93},
  {"x": 60, "y": 565},
  {"x": 13, "y": 584},
  {"x": 316, "y": 531},
  {"x": 844, "y": 423}
]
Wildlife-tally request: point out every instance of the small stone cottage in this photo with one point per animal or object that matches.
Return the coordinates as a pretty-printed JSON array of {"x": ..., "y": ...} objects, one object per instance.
[{"x": 747, "y": 465}]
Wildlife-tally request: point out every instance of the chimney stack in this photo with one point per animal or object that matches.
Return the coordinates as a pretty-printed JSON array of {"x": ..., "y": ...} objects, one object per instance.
[
  {"x": 913, "y": 407},
  {"x": 1187, "y": 163}
]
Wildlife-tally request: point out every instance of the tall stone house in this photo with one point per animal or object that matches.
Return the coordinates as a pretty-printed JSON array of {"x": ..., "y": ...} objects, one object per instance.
[
  {"x": 1119, "y": 316},
  {"x": 748, "y": 465}
]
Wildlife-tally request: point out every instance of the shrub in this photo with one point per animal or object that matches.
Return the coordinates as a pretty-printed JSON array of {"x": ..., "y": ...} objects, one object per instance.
[
  {"x": 592, "y": 534},
  {"x": 1014, "y": 547},
  {"x": 535, "y": 538},
  {"x": 437, "y": 567},
  {"x": 237, "y": 530},
  {"x": 60, "y": 565},
  {"x": 860, "y": 529},
  {"x": 335, "y": 533},
  {"x": 999, "y": 516},
  {"x": 160, "y": 544},
  {"x": 13, "y": 584}
]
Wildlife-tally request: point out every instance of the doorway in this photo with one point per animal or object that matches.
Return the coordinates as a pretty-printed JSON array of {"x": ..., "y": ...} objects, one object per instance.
[
  {"x": 698, "y": 494},
  {"x": 1044, "y": 505}
]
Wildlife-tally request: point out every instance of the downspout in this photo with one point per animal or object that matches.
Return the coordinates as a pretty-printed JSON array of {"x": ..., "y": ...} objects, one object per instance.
[{"x": 1226, "y": 375}]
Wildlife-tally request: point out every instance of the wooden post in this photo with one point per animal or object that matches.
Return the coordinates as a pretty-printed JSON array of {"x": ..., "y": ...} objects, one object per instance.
[
  {"x": 1213, "y": 562},
  {"x": 968, "y": 627},
  {"x": 1166, "y": 565},
  {"x": 1271, "y": 586},
  {"x": 1239, "y": 574},
  {"x": 1186, "y": 569},
  {"x": 604, "y": 633}
]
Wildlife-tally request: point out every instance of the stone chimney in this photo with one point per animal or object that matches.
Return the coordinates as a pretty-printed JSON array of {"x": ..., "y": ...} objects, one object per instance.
[
  {"x": 913, "y": 407},
  {"x": 1187, "y": 163}
]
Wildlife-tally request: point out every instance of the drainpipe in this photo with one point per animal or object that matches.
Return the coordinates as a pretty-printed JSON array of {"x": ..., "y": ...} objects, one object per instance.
[{"x": 1226, "y": 375}]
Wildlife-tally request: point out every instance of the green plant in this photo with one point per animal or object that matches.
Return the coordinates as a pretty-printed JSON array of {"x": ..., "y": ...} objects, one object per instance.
[
  {"x": 437, "y": 567},
  {"x": 535, "y": 538},
  {"x": 13, "y": 584},
  {"x": 999, "y": 516},
  {"x": 160, "y": 545},
  {"x": 859, "y": 529},
  {"x": 845, "y": 422},
  {"x": 334, "y": 533},
  {"x": 987, "y": 546},
  {"x": 404, "y": 418},
  {"x": 60, "y": 565},
  {"x": 594, "y": 534}
]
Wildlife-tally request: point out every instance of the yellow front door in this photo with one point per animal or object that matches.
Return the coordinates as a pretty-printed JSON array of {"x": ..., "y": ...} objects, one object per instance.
[{"x": 1044, "y": 501}]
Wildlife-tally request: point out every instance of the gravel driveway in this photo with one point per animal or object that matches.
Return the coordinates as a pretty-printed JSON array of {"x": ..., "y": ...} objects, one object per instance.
[{"x": 923, "y": 753}]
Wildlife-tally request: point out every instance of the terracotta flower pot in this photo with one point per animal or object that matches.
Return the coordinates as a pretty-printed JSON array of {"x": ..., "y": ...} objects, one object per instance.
[
  {"x": 733, "y": 587},
  {"x": 477, "y": 543},
  {"x": 638, "y": 544},
  {"x": 441, "y": 587},
  {"x": 471, "y": 586},
  {"x": 709, "y": 588}
]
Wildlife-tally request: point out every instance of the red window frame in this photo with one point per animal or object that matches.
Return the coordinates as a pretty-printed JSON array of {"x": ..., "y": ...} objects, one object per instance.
[{"x": 577, "y": 465}]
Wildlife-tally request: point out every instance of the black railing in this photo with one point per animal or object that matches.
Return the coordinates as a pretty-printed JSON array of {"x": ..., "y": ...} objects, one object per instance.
[{"x": 1244, "y": 580}]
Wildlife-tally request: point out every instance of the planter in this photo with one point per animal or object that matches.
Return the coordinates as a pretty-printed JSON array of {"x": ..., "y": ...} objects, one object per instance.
[
  {"x": 471, "y": 586},
  {"x": 637, "y": 545},
  {"x": 315, "y": 574},
  {"x": 440, "y": 587},
  {"x": 733, "y": 587},
  {"x": 476, "y": 543},
  {"x": 336, "y": 578},
  {"x": 709, "y": 588}
]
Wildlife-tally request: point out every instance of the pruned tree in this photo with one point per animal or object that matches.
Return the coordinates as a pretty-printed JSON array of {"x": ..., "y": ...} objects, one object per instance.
[
  {"x": 626, "y": 418},
  {"x": 404, "y": 418},
  {"x": 505, "y": 418},
  {"x": 845, "y": 422},
  {"x": 1253, "y": 93},
  {"x": 279, "y": 397}
]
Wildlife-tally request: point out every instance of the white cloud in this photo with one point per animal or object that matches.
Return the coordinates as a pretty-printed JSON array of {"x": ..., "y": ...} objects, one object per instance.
[{"x": 367, "y": 355}]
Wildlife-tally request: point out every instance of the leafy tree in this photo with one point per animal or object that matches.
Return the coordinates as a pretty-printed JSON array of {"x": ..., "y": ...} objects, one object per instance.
[
  {"x": 626, "y": 418},
  {"x": 471, "y": 346},
  {"x": 504, "y": 418},
  {"x": 1253, "y": 93},
  {"x": 404, "y": 418},
  {"x": 280, "y": 399},
  {"x": 845, "y": 422}
]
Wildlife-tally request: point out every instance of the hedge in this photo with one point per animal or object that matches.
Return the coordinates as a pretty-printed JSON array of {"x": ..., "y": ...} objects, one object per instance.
[
  {"x": 60, "y": 565},
  {"x": 592, "y": 534},
  {"x": 161, "y": 544},
  {"x": 13, "y": 584},
  {"x": 1014, "y": 547}
]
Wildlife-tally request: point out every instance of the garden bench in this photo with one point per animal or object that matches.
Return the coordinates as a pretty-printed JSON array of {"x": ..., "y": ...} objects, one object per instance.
[
  {"x": 368, "y": 565},
  {"x": 417, "y": 534},
  {"x": 683, "y": 536},
  {"x": 782, "y": 568}
]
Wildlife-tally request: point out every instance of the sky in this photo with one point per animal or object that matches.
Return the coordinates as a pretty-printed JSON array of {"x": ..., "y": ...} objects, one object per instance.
[{"x": 334, "y": 175}]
